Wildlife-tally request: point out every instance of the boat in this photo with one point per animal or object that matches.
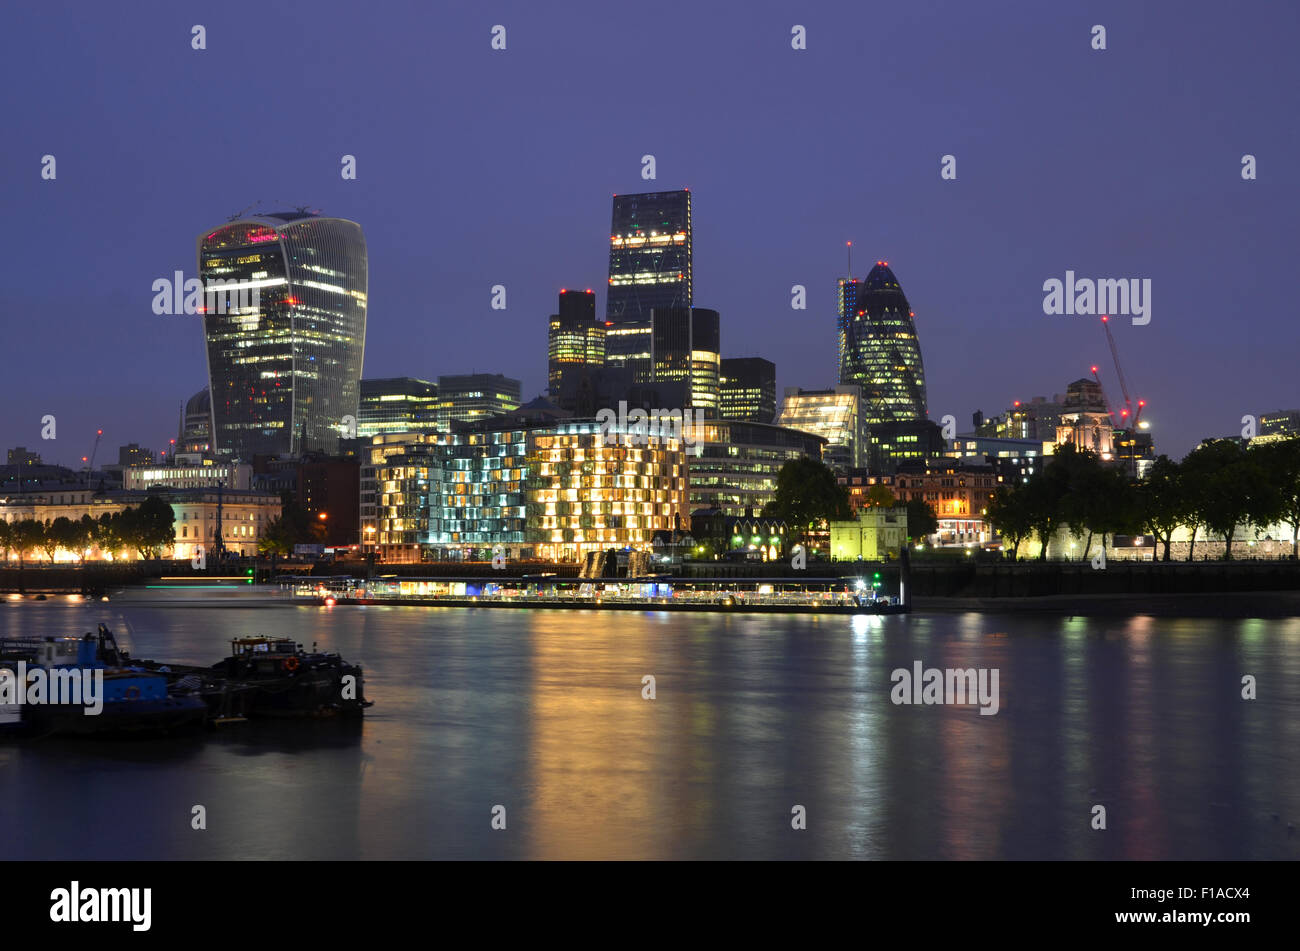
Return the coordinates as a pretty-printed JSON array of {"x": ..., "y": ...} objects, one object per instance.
[
  {"x": 263, "y": 677},
  {"x": 125, "y": 699}
]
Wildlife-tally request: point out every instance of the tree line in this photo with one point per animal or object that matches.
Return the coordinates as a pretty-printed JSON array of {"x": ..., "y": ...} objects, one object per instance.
[
  {"x": 1219, "y": 487},
  {"x": 147, "y": 529}
]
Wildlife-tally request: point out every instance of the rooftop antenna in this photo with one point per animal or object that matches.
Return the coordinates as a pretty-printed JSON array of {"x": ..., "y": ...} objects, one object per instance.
[
  {"x": 239, "y": 214},
  {"x": 850, "y": 246}
]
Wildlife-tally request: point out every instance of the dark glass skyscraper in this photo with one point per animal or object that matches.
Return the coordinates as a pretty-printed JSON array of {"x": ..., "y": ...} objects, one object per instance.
[
  {"x": 747, "y": 389},
  {"x": 686, "y": 349},
  {"x": 575, "y": 344},
  {"x": 650, "y": 258},
  {"x": 284, "y": 373},
  {"x": 879, "y": 352}
]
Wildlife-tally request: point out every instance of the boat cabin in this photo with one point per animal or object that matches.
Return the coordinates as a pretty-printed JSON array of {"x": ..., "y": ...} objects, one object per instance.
[{"x": 280, "y": 646}]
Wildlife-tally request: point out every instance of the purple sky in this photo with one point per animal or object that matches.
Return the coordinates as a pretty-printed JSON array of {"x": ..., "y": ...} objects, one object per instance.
[{"x": 479, "y": 167}]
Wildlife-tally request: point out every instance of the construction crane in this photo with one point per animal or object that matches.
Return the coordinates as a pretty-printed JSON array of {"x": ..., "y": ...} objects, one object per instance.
[
  {"x": 1110, "y": 412},
  {"x": 1128, "y": 411},
  {"x": 90, "y": 460}
]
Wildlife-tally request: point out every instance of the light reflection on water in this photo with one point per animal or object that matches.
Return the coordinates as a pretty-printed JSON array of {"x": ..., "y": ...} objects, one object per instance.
[{"x": 542, "y": 712}]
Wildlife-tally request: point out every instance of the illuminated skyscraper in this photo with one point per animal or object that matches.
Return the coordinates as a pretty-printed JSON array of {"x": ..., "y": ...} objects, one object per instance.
[
  {"x": 475, "y": 396},
  {"x": 879, "y": 352},
  {"x": 284, "y": 372},
  {"x": 747, "y": 389},
  {"x": 685, "y": 348},
  {"x": 397, "y": 405},
  {"x": 835, "y": 416},
  {"x": 649, "y": 255},
  {"x": 575, "y": 344}
]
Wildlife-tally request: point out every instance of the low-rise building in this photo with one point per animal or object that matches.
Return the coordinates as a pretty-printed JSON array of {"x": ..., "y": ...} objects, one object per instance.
[{"x": 877, "y": 533}]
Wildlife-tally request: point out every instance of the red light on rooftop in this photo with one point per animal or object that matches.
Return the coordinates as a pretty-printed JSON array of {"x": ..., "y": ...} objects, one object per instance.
[
  {"x": 1094, "y": 369},
  {"x": 1104, "y": 319},
  {"x": 589, "y": 291},
  {"x": 1016, "y": 403},
  {"x": 292, "y": 301},
  {"x": 1142, "y": 402}
]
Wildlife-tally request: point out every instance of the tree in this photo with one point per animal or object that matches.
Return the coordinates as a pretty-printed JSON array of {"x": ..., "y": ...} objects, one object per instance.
[
  {"x": 6, "y": 538},
  {"x": 880, "y": 497},
  {"x": 921, "y": 520},
  {"x": 49, "y": 543},
  {"x": 64, "y": 533},
  {"x": 109, "y": 534},
  {"x": 28, "y": 534},
  {"x": 277, "y": 538},
  {"x": 1232, "y": 487},
  {"x": 152, "y": 527},
  {"x": 1044, "y": 496},
  {"x": 1162, "y": 501},
  {"x": 1282, "y": 461},
  {"x": 1009, "y": 515},
  {"x": 806, "y": 494}
]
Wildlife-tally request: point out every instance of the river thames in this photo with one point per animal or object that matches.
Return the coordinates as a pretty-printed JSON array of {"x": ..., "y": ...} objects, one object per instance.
[{"x": 542, "y": 713}]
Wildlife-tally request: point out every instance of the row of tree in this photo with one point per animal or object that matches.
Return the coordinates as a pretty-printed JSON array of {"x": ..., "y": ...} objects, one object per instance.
[
  {"x": 146, "y": 529},
  {"x": 808, "y": 496},
  {"x": 1219, "y": 487}
]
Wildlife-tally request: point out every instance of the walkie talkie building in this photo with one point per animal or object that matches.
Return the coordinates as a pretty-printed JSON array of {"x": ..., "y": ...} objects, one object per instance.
[{"x": 285, "y": 368}]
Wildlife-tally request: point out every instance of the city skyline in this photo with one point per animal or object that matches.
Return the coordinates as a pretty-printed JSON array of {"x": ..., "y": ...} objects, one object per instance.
[{"x": 973, "y": 252}]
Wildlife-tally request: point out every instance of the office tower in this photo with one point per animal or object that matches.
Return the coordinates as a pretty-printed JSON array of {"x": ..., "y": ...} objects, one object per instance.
[
  {"x": 400, "y": 404},
  {"x": 879, "y": 352},
  {"x": 132, "y": 454},
  {"x": 685, "y": 348},
  {"x": 627, "y": 349},
  {"x": 474, "y": 396},
  {"x": 747, "y": 389},
  {"x": 575, "y": 344},
  {"x": 650, "y": 257},
  {"x": 836, "y": 416},
  {"x": 286, "y": 337}
]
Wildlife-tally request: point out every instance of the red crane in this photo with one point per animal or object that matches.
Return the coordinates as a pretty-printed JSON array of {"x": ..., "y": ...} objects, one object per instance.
[{"x": 1128, "y": 412}]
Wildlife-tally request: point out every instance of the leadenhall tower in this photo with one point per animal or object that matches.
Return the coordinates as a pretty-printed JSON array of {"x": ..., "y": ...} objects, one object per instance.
[{"x": 879, "y": 352}]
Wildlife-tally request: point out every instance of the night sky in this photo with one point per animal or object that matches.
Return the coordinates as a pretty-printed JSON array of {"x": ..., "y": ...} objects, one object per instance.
[{"x": 479, "y": 167}]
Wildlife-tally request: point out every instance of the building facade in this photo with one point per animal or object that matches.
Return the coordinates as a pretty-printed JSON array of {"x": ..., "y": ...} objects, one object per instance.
[
  {"x": 401, "y": 404},
  {"x": 575, "y": 345},
  {"x": 650, "y": 255},
  {"x": 747, "y": 389},
  {"x": 878, "y": 348},
  {"x": 876, "y": 534},
  {"x": 834, "y": 415},
  {"x": 284, "y": 372},
  {"x": 472, "y": 397},
  {"x": 523, "y": 489},
  {"x": 685, "y": 348},
  {"x": 733, "y": 466}
]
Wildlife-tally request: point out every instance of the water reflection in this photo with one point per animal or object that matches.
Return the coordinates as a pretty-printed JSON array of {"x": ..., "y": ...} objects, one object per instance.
[{"x": 544, "y": 713}]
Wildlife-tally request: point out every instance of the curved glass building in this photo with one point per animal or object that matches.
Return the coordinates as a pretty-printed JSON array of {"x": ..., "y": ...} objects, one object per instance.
[
  {"x": 879, "y": 352},
  {"x": 286, "y": 337}
]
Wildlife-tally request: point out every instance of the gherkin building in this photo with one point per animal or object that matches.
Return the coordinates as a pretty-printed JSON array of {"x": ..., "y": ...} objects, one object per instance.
[{"x": 879, "y": 351}]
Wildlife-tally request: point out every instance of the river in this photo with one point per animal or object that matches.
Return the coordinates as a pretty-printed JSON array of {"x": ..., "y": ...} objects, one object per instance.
[{"x": 543, "y": 714}]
